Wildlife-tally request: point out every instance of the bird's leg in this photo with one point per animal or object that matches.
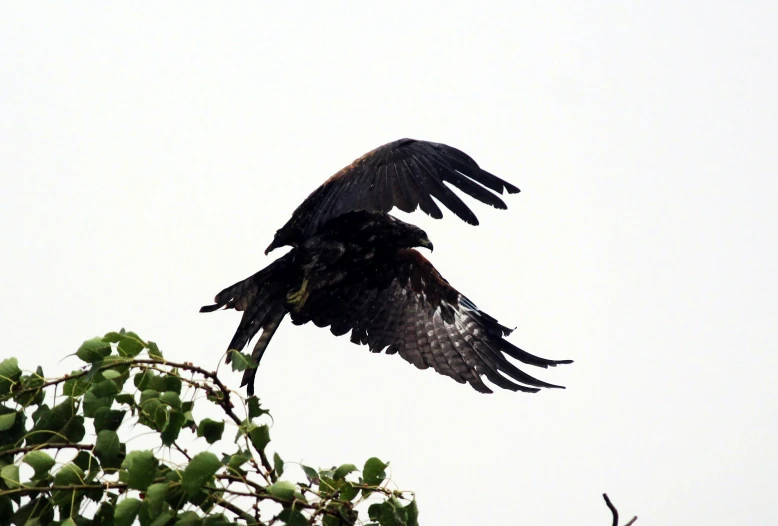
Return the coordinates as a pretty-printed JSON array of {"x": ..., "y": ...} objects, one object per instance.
[{"x": 297, "y": 298}]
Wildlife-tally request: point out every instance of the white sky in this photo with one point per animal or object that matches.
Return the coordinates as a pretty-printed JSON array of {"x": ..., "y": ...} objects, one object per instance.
[{"x": 148, "y": 154}]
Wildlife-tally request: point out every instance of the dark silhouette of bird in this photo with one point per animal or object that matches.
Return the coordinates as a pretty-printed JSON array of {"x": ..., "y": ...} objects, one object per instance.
[{"x": 353, "y": 267}]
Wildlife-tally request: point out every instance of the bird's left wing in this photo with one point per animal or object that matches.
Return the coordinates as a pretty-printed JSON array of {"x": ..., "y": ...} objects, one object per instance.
[
  {"x": 406, "y": 174},
  {"x": 406, "y": 307}
]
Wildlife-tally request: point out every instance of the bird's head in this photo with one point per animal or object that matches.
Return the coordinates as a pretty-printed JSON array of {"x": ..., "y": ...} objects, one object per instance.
[
  {"x": 406, "y": 235},
  {"x": 277, "y": 242},
  {"x": 283, "y": 237}
]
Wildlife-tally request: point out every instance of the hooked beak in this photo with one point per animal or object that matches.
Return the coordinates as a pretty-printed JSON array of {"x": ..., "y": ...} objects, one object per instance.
[{"x": 426, "y": 243}]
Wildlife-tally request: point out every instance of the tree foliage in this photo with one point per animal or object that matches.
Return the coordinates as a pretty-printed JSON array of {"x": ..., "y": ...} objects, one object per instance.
[{"x": 66, "y": 459}]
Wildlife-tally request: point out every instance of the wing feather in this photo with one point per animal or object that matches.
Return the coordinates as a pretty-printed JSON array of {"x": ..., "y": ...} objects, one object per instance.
[
  {"x": 403, "y": 305},
  {"x": 405, "y": 174}
]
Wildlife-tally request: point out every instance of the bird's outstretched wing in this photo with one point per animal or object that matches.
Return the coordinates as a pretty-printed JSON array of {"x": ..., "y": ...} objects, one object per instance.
[
  {"x": 406, "y": 307},
  {"x": 405, "y": 174}
]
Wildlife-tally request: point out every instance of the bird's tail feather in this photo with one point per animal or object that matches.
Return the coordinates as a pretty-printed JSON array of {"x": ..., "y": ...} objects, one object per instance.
[
  {"x": 272, "y": 321},
  {"x": 262, "y": 299}
]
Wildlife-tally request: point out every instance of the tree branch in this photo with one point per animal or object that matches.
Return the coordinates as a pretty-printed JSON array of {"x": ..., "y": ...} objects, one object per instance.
[
  {"x": 48, "y": 489},
  {"x": 615, "y": 512},
  {"x": 27, "y": 449}
]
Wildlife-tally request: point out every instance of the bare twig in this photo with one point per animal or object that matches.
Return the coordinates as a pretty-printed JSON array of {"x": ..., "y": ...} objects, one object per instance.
[
  {"x": 613, "y": 509},
  {"x": 615, "y": 512}
]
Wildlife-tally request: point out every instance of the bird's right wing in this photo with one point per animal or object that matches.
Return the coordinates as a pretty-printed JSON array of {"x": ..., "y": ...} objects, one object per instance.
[{"x": 406, "y": 307}]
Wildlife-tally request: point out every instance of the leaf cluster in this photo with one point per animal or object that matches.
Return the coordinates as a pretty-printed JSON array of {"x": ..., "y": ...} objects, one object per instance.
[{"x": 65, "y": 459}]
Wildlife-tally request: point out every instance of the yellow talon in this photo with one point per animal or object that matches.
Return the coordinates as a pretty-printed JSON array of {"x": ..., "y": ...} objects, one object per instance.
[{"x": 298, "y": 298}]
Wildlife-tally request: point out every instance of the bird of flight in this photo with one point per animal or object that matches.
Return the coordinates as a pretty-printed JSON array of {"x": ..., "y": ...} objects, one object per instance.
[{"x": 353, "y": 267}]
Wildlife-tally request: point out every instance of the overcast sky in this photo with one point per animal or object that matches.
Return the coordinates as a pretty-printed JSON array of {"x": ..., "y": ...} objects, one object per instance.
[{"x": 148, "y": 154}]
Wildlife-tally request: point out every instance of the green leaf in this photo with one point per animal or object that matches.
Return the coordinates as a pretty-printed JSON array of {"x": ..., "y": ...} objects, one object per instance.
[
  {"x": 189, "y": 518},
  {"x": 94, "y": 372},
  {"x": 172, "y": 428},
  {"x": 348, "y": 491},
  {"x": 148, "y": 394},
  {"x": 126, "y": 511},
  {"x": 68, "y": 522},
  {"x": 38, "y": 510},
  {"x": 75, "y": 386},
  {"x": 173, "y": 383},
  {"x": 143, "y": 379},
  {"x": 7, "y": 421},
  {"x": 105, "y": 388},
  {"x": 278, "y": 464},
  {"x": 211, "y": 430},
  {"x": 93, "y": 350},
  {"x": 57, "y": 425},
  {"x": 153, "y": 413},
  {"x": 109, "y": 450},
  {"x": 130, "y": 344},
  {"x": 154, "y": 351},
  {"x": 163, "y": 518},
  {"x": 373, "y": 474},
  {"x": 87, "y": 463},
  {"x": 141, "y": 469},
  {"x": 255, "y": 410},
  {"x": 92, "y": 403},
  {"x": 387, "y": 514},
  {"x": 217, "y": 519},
  {"x": 10, "y": 475},
  {"x": 9, "y": 374},
  {"x": 313, "y": 476},
  {"x": 412, "y": 510},
  {"x": 40, "y": 461},
  {"x": 155, "y": 497},
  {"x": 240, "y": 361},
  {"x": 345, "y": 516},
  {"x": 15, "y": 433},
  {"x": 283, "y": 490},
  {"x": 238, "y": 459},
  {"x": 292, "y": 517},
  {"x": 260, "y": 437},
  {"x": 170, "y": 398},
  {"x": 69, "y": 475},
  {"x": 32, "y": 384},
  {"x": 104, "y": 515},
  {"x": 108, "y": 419},
  {"x": 344, "y": 470},
  {"x": 111, "y": 374},
  {"x": 200, "y": 470}
]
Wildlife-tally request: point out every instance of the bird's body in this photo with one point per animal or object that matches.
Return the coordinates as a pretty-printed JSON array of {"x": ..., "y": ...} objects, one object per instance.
[{"x": 353, "y": 267}]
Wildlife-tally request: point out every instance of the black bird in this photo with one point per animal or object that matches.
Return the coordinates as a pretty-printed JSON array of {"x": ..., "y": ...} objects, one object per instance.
[
  {"x": 353, "y": 268},
  {"x": 359, "y": 273}
]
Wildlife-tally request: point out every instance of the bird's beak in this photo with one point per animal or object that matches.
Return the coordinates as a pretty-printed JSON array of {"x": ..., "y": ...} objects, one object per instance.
[
  {"x": 426, "y": 243},
  {"x": 272, "y": 246}
]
